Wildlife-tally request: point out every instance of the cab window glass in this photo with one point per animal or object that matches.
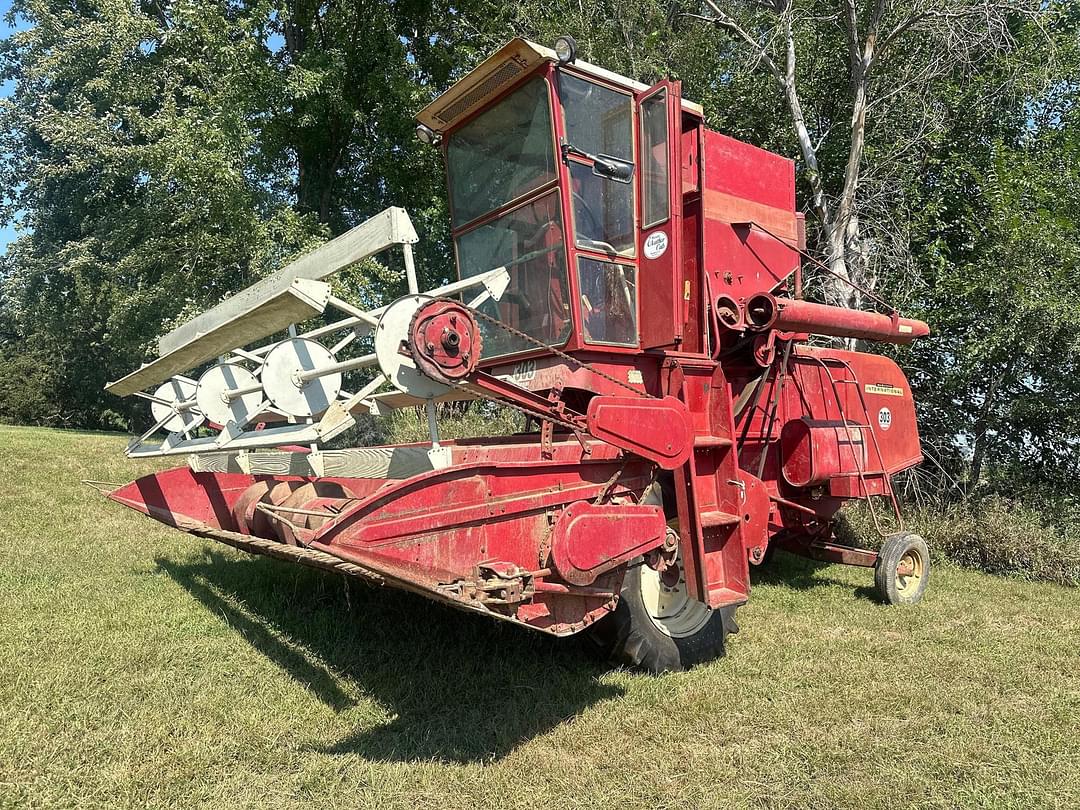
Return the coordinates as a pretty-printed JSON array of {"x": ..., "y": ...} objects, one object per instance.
[
  {"x": 608, "y": 302},
  {"x": 597, "y": 119},
  {"x": 502, "y": 154},
  {"x": 528, "y": 242},
  {"x": 598, "y": 122},
  {"x": 654, "y": 159},
  {"x": 603, "y": 211}
]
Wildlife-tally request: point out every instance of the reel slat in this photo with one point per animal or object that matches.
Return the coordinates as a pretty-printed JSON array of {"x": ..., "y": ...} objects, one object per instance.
[{"x": 299, "y": 301}]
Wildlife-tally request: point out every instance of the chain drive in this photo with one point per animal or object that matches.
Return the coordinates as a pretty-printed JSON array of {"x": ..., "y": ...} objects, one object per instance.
[{"x": 541, "y": 345}]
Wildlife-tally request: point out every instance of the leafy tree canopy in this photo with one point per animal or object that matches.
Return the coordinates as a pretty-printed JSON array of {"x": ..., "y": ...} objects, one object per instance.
[{"x": 161, "y": 155}]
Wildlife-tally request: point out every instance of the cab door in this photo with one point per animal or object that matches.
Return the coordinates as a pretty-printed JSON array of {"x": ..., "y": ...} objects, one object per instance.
[{"x": 663, "y": 302}]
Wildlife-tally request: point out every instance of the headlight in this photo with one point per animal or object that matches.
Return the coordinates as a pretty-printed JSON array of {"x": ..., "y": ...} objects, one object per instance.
[
  {"x": 427, "y": 135},
  {"x": 566, "y": 50}
]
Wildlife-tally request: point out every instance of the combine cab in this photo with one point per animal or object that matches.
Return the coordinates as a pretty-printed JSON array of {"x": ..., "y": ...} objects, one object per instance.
[{"x": 628, "y": 281}]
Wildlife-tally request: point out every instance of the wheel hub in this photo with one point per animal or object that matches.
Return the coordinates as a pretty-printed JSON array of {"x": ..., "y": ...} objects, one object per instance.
[
  {"x": 909, "y": 573},
  {"x": 667, "y": 599}
]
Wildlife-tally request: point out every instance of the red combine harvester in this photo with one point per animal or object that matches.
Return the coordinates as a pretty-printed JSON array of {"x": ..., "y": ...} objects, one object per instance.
[{"x": 630, "y": 282}]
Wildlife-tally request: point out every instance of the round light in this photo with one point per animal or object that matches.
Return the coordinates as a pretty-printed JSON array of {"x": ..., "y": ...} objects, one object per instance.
[
  {"x": 565, "y": 49},
  {"x": 426, "y": 134}
]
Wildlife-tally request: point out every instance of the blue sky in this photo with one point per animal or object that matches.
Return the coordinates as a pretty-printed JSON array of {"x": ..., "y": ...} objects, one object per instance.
[{"x": 7, "y": 233}]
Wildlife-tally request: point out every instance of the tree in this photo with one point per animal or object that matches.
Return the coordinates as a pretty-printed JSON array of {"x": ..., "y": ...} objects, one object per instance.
[
  {"x": 162, "y": 156},
  {"x": 166, "y": 155},
  {"x": 998, "y": 247},
  {"x": 126, "y": 154},
  {"x": 894, "y": 52}
]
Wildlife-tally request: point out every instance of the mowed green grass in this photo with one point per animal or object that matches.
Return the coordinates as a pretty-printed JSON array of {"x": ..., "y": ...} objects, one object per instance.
[{"x": 140, "y": 667}]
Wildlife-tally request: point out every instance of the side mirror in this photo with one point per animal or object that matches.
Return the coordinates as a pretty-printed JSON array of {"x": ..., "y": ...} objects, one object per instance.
[
  {"x": 611, "y": 168},
  {"x": 606, "y": 166}
]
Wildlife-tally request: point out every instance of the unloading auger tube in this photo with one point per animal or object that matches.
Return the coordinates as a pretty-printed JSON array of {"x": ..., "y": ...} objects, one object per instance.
[{"x": 637, "y": 298}]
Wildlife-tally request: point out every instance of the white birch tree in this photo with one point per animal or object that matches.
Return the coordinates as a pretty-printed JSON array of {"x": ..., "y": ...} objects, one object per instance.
[{"x": 895, "y": 52}]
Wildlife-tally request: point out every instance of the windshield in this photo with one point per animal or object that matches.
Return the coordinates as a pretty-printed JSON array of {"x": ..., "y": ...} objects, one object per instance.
[
  {"x": 502, "y": 154},
  {"x": 528, "y": 241}
]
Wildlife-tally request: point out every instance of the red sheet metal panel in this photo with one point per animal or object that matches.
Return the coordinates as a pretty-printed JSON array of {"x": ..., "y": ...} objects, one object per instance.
[
  {"x": 815, "y": 450},
  {"x": 868, "y": 390},
  {"x": 658, "y": 430},
  {"x": 589, "y": 540},
  {"x": 744, "y": 184}
]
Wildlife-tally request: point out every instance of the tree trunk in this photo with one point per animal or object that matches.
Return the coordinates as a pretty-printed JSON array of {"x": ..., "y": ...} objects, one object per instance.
[{"x": 982, "y": 427}]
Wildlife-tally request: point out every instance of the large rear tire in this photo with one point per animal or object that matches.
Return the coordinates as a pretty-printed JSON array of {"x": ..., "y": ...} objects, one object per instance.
[{"x": 657, "y": 627}]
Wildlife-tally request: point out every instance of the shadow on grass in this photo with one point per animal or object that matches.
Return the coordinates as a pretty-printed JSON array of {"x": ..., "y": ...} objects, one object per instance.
[
  {"x": 802, "y": 574},
  {"x": 460, "y": 688}
]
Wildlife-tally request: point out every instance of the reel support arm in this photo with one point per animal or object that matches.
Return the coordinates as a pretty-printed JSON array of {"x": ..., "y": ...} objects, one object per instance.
[{"x": 446, "y": 344}]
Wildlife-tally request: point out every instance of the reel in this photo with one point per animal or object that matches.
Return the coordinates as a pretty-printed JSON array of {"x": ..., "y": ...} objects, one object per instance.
[
  {"x": 173, "y": 406},
  {"x": 399, "y": 367}
]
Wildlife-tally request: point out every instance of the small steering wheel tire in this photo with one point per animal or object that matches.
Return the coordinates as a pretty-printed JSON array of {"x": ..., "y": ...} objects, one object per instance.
[{"x": 902, "y": 571}]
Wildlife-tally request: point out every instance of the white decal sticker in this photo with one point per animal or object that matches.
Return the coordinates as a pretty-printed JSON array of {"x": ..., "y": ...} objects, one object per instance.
[
  {"x": 524, "y": 372},
  {"x": 655, "y": 245},
  {"x": 634, "y": 376},
  {"x": 884, "y": 390},
  {"x": 884, "y": 418}
]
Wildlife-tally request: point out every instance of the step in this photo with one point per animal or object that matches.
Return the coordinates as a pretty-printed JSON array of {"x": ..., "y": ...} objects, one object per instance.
[
  {"x": 720, "y": 596},
  {"x": 715, "y": 519}
]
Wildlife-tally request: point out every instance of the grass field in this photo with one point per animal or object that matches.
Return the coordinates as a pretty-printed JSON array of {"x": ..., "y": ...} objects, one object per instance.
[{"x": 140, "y": 667}]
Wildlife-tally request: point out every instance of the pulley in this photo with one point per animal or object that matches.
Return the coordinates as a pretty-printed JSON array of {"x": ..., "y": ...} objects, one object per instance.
[
  {"x": 300, "y": 377},
  {"x": 445, "y": 341},
  {"x": 400, "y": 367},
  {"x": 228, "y": 392}
]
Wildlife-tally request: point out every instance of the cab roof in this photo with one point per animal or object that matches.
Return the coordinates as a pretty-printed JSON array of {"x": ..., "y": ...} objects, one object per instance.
[{"x": 503, "y": 68}]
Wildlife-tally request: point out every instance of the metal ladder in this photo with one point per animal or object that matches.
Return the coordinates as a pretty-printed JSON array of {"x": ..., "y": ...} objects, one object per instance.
[{"x": 861, "y": 471}]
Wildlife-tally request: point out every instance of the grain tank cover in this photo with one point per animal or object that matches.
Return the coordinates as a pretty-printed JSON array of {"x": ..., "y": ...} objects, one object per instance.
[{"x": 751, "y": 232}]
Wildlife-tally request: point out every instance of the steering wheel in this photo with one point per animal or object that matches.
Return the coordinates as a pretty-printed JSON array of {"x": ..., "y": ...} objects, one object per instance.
[{"x": 593, "y": 221}]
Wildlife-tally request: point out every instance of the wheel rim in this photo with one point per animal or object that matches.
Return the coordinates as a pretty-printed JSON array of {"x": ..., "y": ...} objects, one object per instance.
[
  {"x": 670, "y": 607},
  {"x": 910, "y": 572}
]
